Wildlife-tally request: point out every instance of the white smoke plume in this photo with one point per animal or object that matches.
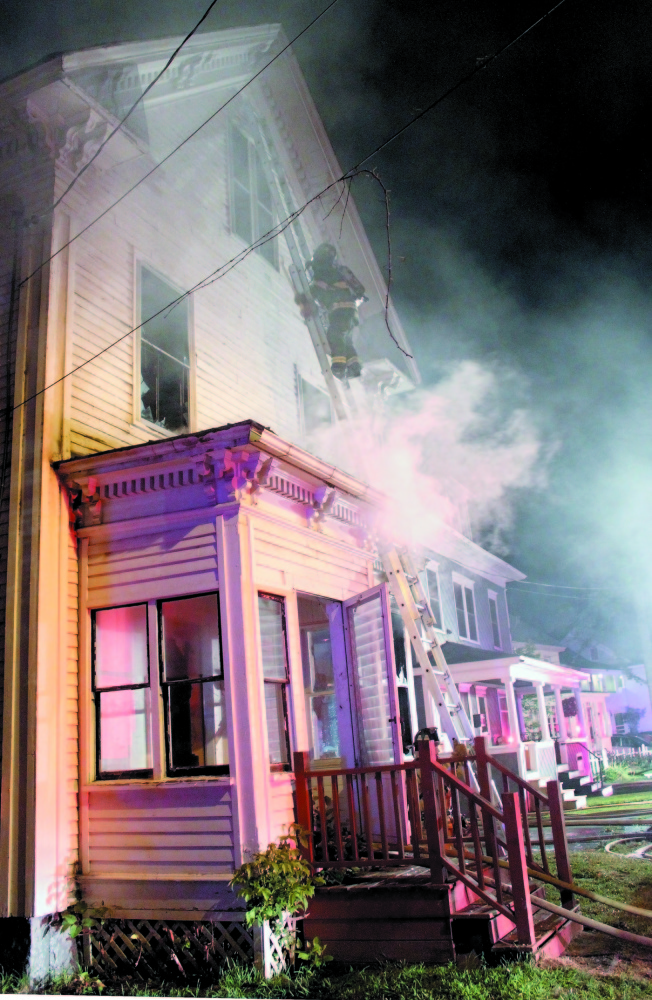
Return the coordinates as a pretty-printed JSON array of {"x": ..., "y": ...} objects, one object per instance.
[{"x": 451, "y": 454}]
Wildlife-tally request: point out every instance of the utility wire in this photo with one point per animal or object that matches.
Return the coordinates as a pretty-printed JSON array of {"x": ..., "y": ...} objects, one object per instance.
[
  {"x": 280, "y": 227},
  {"x": 553, "y": 586},
  {"x": 177, "y": 148},
  {"x": 129, "y": 112},
  {"x": 480, "y": 65}
]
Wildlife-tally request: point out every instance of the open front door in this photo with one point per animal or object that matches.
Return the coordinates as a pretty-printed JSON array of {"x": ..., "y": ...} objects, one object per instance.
[{"x": 372, "y": 675}]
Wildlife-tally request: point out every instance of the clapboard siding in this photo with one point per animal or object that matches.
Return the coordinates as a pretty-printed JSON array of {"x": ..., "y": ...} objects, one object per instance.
[
  {"x": 246, "y": 330},
  {"x": 182, "y": 560},
  {"x": 312, "y": 562},
  {"x": 174, "y": 828},
  {"x": 282, "y": 813}
]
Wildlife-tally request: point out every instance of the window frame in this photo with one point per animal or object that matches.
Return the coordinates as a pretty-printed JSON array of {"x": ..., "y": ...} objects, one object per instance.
[
  {"x": 432, "y": 568},
  {"x": 141, "y": 262},
  {"x": 301, "y": 381},
  {"x": 253, "y": 159},
  {"x": 277, "y": 766},
  {"x": 467, "y": 587},
  {"x": 96, "y": 699},
  {"x": 492, "y": 598},
  {"x": 185, "y": 772}
]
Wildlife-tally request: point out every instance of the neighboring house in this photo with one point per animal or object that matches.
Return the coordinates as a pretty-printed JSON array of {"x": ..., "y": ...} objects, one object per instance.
[{"x": 189, "y": 596}]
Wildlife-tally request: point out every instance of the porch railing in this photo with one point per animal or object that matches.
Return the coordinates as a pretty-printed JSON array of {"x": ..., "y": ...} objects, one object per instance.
[{"x": 425, "y": 812}]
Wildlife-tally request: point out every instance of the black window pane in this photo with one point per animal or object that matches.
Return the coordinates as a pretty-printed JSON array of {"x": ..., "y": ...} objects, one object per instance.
[
  {"x": 191, "y": 638},
  {"x": 276, "y": 725},
  {"x": 406, "y": 718},
  {"x": 197, "y": 725},
  {"x": 242, "y": 212},
  {"x": 493, "y": 611},
  {"x": 163, "y": 389}
]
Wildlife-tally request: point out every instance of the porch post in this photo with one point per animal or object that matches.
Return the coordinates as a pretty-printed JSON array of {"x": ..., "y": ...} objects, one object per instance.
[
  {"x": 581, "y": 717},
  {"x": 543, "y": 715},
  {"x": 512, "y": 714},
  {"x": 521, "y": 720},
  {"x": 518, "y": 870},
  {"x": 435, "y": 825},
  {"x": 561, "y": 718}
]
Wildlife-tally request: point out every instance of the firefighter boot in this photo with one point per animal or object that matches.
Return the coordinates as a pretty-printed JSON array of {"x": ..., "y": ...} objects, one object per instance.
[
  {"x": 338, "y": 367},
  {"x": 353, "y": 368}
]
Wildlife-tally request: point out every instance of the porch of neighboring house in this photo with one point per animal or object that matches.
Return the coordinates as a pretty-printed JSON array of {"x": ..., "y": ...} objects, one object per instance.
[
  {"x": 436, "y": 869},
  {"x": 539, "y": 722}
]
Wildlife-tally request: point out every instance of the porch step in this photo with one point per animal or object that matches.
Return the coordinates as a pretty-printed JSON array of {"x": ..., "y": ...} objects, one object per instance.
[
  {"x": 552, "y": 935},
  {"x": 577, "y": 802},
  {"x": 479, "y": 926},
  {"x": 606, "y": 790}
]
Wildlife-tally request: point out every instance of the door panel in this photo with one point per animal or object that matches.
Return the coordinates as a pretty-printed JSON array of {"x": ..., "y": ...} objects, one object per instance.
[{"x": 368, "y": 631}]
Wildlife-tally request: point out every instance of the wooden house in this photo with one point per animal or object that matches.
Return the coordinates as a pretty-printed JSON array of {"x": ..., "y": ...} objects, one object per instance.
[{"x": 188, "y": 596}]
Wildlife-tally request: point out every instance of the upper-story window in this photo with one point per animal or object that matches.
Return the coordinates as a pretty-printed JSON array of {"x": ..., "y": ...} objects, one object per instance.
[
  {"x": 164, "y": 354},
  {"x": 252, "y": 208},
  {"x": 432, "y": 580},
  {"x": 493, "y": 617},
  {"x": 465, "y": 607}
]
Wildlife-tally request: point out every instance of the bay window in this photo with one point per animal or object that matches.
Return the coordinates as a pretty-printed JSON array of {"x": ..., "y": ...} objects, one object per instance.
[{"x": 187, "y": 686}]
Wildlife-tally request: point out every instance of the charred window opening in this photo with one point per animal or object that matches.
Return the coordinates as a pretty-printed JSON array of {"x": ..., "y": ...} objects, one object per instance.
[
  {"x": 252, "y": 209},
  {"x": 164, "y": 354},
  {"x": 316, "y": 409}
]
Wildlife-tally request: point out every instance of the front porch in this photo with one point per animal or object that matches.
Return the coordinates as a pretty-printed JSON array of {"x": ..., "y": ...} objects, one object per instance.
[
  {"x": 440, "y": 868},
  {"x": 537, "y": 721}
]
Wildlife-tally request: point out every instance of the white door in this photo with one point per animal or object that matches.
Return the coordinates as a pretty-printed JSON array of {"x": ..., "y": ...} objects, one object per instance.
[{"x": 372, "y": 676}]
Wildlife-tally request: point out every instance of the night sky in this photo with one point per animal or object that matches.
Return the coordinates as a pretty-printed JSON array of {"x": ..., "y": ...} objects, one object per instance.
[{"x": 522, "y": 207}]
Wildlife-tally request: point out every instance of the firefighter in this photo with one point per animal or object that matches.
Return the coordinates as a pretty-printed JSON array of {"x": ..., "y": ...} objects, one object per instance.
[{"x": 337, "y": 290}]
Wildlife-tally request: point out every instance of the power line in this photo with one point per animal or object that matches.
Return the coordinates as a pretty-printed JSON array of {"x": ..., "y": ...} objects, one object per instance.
[
  {"x": 177, "y": 148},
  {"x": 555, "y": 586},
  {"x": 280, "y": 227},
  {"x": 130, "y": 111},
  {"x": 481, "y": 64}
]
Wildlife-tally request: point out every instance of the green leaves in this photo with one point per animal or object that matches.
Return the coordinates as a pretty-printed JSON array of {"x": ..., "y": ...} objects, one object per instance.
[
  {"x": 315, "y": 954},
  {"x": 276, "y": 881}
]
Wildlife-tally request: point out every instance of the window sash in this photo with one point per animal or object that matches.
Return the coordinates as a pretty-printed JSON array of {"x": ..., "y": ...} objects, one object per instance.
[
  {"x": 190, "y": 716},
  {"x": 252, "y": 203},
  {"x": 131, "y": 735},
  {"x": 495, "y": 627},
  {"x": 274, "y": 655}
]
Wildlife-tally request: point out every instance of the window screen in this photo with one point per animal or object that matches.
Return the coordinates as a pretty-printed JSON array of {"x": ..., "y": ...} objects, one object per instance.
[
  {"x": 164, "y": 354},
  {"x": 193, "y": 685},
  {"x": 121, "y": 690}
]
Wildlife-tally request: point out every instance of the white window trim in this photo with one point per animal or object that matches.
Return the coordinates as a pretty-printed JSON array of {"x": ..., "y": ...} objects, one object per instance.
[
  {"x": 464, "y": 581},
  {"x": 140, "y": 261},
  {"x": 433, "y": 566},
  {"x": 492, "y": 595}
]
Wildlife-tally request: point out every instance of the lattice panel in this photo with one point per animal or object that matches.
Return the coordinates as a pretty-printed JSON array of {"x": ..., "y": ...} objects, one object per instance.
[
  {"x": 154, "y": 948},
  {"x": 280, "y": 945}
]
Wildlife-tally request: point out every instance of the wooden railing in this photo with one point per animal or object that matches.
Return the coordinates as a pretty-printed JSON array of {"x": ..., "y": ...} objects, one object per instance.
[{"x": 425, "y": 812}]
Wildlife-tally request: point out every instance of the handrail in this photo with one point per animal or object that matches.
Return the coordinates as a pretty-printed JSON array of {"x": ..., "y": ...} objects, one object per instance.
[{"x": 516, "y": 778}]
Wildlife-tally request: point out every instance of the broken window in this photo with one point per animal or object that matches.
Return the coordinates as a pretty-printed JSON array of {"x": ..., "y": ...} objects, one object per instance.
[
  {"x": 121, "y": 691},
  {"x": 252, "y": 209},
  {"x": 271, "y": 617},
  {"x": 315, "y": 404},
  {"x": 193, "y": 685},
  {"x": 432, "y": 581},
  {"x": 164, "y": 354}
]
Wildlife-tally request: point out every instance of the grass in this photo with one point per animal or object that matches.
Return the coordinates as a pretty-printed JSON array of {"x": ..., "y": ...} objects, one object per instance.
[
  {"x": 610, "y": 875},
  {"x": 622, "y": 798},
  {"x": 524, "y": 981}
]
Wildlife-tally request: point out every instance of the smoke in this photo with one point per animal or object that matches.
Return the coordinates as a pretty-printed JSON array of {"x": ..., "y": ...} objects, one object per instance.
[{"x": 454, "y": 454}]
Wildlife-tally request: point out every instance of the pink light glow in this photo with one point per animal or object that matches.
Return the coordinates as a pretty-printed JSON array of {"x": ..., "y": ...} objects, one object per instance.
[
  {"x": 440, "y": 455},
  {"x": 510, "y": 739}
]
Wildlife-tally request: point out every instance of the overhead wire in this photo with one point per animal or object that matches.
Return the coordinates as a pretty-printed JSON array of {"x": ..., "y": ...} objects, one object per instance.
[
  {"x": 180, "y": 145},
  {"x": 130, "y": 111},
  {"x": 280, "y": 227}
]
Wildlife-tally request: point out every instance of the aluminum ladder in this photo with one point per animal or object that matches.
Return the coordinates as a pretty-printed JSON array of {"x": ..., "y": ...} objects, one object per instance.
[{"x": 338, "y": 390}]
